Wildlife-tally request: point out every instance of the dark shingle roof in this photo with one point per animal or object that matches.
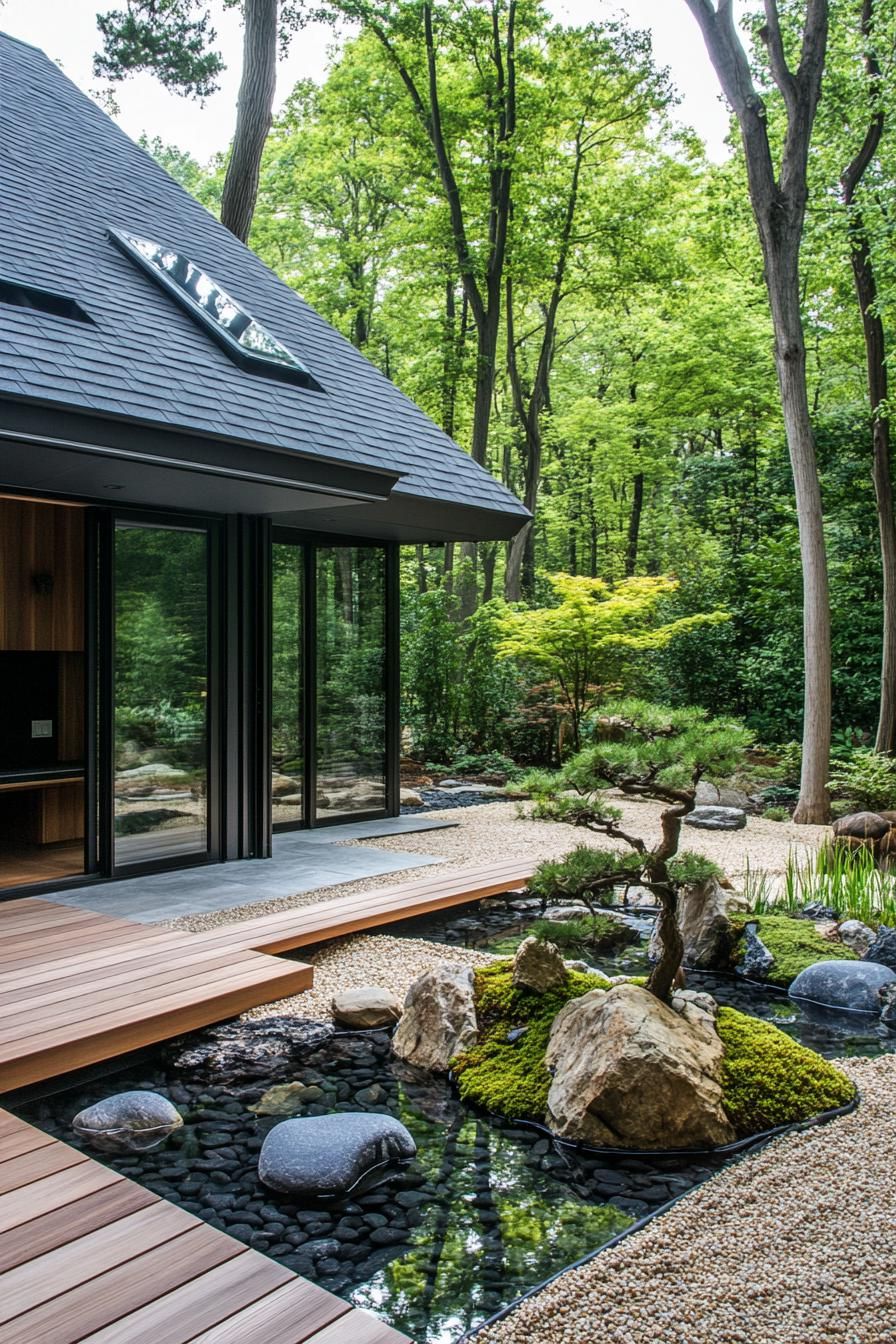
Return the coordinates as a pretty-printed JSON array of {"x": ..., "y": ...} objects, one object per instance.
[{"x": 67, "y": 174}]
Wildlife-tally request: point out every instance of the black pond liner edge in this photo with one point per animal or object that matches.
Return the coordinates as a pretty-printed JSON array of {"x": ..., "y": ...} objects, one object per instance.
[{"x": 741, "y": 1147}]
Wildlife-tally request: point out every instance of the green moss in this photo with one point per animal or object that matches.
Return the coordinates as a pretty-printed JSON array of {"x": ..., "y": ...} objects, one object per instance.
[
  {"x": 794, "y": 944},
  {"x": 510, "y": 1078},
  {"x": 768, "y": 1079}
]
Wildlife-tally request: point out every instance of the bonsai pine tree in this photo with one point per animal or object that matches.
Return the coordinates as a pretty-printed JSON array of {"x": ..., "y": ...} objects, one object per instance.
[{"x": 650, "y": 751}]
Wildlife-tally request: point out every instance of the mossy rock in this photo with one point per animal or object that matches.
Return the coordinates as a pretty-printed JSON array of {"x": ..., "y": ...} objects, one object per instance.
[
  {"x": 510, "y": 1077},
  {"x": 768, "y": 1079},
  {"x": 794, "y": 944}
]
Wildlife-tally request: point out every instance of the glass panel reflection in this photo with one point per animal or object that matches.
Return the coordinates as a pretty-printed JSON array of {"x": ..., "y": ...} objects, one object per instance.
[
  {"x": 287, "y": 743},
  {"x": 351, "y": 698},
  {"x": 161, "y": 706},
  {"x": 211, "y": 301}
]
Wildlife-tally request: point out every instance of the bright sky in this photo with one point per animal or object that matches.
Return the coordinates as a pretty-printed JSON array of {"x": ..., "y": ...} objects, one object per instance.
[{"x": 66, "y": 30}]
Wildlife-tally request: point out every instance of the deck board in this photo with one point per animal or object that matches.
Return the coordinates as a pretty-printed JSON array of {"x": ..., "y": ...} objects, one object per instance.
[
  {"x": 77, "y": 987},
  {"x": 87, "y": 1255},
  {"x": 123, "y": 1266}
]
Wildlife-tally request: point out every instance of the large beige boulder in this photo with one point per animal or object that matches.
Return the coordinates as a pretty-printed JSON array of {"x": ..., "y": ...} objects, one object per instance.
[
  {"x": 704, "y": 917},
  {"x": 439, "y": 1018},
  {"x": 538, "y": 965},
  {"x": 629, "y": 1072},
  {"x": 367, "y": 1006}
]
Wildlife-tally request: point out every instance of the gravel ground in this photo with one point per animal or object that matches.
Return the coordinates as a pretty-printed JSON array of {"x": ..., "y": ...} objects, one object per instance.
[
  {"x": 488, "y": 833},
  {"x": 494, "y": 832},
  {"x": 349, "y": 963},
  {"x": 794, "y": 1245}
]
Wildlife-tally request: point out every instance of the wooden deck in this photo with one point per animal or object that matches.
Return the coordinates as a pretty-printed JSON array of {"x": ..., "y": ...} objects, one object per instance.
[
  {"x": 89, "y": 1257},
  {"x": 77, "y": 987},
  {"x": 361, "y": 910}
]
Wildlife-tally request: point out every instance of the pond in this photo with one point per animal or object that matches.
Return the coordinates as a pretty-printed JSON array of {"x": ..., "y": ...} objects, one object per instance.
[
  {"x": 499, "y": 925},
  {"x": 487, "y": 1210}
]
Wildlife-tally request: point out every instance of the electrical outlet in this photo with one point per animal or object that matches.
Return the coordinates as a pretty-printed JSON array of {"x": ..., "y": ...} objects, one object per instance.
[{"x": 41, "y": 727}]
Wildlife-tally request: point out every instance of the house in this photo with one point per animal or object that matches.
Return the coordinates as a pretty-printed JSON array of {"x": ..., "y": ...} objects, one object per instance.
[{"x": 203, "y": 489}]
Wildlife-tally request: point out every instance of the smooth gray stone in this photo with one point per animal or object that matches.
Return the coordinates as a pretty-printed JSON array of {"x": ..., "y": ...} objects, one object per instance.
[
  {"x": 129, "y": 1122},
  {"x": 331, "y": 1156},
  {"x": 717, "y": 819},
  {"x": 850, "y": 986}
]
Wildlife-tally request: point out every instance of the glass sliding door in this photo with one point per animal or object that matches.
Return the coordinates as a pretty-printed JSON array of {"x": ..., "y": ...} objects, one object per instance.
[
  {"x": 160, "y": 692},
  {"x": 287, "y": 734},
  {"x": 350, "y": 659}
]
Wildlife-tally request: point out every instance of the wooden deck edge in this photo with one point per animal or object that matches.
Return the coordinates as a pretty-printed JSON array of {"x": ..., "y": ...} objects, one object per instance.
[{"x": 150, "y": 1028}]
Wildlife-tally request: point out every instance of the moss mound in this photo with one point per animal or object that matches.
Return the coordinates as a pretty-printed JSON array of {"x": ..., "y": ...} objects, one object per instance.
[
  {"x": 794, "y": 944},
  {"x": 768, "y": 1079},
  {"x": 510, "y": 1077}
]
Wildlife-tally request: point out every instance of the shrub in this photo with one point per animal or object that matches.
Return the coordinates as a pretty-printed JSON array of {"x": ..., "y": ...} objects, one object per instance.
[
  {"x": 584, "y": 874},
  {"x": 768, "y": 1079},
  {"x": 868, "y": 777},
  {"x": 597, "y": 933},
  {"x": 776, "y": 814},
  {"x": 510, "y": 1077}
]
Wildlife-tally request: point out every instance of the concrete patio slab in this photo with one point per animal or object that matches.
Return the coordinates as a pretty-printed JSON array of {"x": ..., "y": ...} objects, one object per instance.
[{"x": 302, "y": 861}]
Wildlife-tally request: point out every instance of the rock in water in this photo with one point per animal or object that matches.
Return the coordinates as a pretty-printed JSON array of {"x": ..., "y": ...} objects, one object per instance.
[
  {"x": 629, "y": 1072},
  {"x": 538, "y": 965},
  {"x": 717, "y": 819},
  {"x": 857, "y": 937},
  {"x": 439, "y": 1018},
  {"x": 852, "y": 986},
  {"x": 883, "y": 949},
  {"x": 254, "y": 1049},
  {"x": 129, "y": 1122},
  {"x": 366, "y": 1007},
  {"x": 756, "y": 961},
  {"x": 705, "y": 927},
  {"x": 323, "y": 1157}
]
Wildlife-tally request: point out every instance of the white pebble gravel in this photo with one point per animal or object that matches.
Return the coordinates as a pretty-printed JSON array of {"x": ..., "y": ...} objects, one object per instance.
[
  {"x": 793, "y": 1245},
  {"x": 377, "y": 959}
]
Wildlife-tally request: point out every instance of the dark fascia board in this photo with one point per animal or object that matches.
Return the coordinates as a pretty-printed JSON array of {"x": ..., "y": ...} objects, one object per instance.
[
  {"x": 54, "y": 425},
  {"x": 411, "y": 520}
]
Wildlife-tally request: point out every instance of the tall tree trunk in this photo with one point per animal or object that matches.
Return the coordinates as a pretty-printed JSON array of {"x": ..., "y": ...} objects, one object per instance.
[
  {"x": 876, "y": 366},
  {"x": 253, "y": 116},
  {"x": 779, "y": 207},
  {"x": 634, "y": 525},
  {"x": 489, "y": 557},
  {"x": 881, "y": 474},
  {"x": 790, "y": 361}
]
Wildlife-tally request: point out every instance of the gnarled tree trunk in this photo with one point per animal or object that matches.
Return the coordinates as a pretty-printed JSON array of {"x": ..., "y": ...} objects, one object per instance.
[{"x": 253, "y": 116}]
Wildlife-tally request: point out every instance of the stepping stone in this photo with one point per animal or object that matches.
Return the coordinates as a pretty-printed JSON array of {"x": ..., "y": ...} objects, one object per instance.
[{"x": 321, "y": 1157}]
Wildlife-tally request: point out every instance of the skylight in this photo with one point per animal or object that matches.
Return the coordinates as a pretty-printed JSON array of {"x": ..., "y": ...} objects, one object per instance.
[
  {"x": 247, "y": 342},
  {"x": 41, "y": 301}
]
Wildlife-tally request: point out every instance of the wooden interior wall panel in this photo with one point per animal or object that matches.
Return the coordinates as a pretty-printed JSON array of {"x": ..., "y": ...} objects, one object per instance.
[{"x": 41, "y": 539}]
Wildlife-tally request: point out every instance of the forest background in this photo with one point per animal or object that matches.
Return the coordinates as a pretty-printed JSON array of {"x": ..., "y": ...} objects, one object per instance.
[{"x": 580, "y": 302}]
